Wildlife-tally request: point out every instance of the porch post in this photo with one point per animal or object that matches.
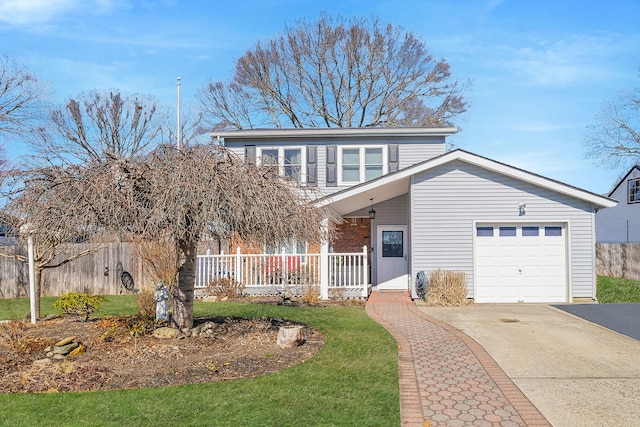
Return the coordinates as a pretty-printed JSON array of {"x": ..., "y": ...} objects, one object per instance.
[
  {"x": 365, "y": 266},
  {"x": 238, "y": 267},
  {"x": 324, "y": 264}
]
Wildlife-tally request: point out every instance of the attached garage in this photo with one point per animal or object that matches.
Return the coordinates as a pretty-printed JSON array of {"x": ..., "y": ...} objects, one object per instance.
[{"x": 521, "y": 262}]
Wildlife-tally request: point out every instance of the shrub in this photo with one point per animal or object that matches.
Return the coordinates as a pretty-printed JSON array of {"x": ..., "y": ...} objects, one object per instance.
[
  {"x": 78, "y": 304},
  {"x": 225, "y": 287},
  {"x": 447, "y": 288},
  {"x": 146, "y": 304},
  {"x": 310, "y": 294}
]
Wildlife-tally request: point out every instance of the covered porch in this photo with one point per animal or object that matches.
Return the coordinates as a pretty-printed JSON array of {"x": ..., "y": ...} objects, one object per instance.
[{"x": 330, "y": 274}]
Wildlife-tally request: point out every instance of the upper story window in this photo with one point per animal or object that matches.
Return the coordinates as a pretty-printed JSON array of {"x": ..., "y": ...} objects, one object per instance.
[
  {"x": 634, "y": 190},
  {"x": 360, "y": 164},
  {"x": 289, "y": 161}
]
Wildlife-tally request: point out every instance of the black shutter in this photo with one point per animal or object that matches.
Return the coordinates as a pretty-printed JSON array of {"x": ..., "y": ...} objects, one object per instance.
[
  {"x": 312, "y": 165},
  {"x": 250, "y": 153},
  {"x": 393, "y": 157},
  {"x": 332, "y": 179}
]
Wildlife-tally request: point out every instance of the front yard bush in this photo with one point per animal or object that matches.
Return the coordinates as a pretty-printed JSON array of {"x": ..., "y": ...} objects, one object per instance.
[
  {"x": 447, "y": 288},
  {"x": 79, "y": 304}
]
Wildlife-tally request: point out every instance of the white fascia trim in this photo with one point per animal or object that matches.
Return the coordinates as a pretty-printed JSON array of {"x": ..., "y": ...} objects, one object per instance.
[
  {"x": 331, "y": 132},
  {"x": 535, "y": 179},
  {"x": 482, "y": 162}
]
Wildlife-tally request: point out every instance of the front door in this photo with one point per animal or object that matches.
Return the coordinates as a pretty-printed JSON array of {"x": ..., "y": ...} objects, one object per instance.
[{"x": 393, "y": 266}]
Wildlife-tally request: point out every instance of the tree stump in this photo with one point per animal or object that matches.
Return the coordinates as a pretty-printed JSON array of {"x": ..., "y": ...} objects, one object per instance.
[{"x": 290, "y": 336}]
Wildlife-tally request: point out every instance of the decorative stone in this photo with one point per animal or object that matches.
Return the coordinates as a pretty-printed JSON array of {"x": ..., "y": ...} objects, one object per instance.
[
  {"x": 59, "y": 357},
  {"x": 78, "y": 350},
  {"x": 290, "y": 336},
  {"x": 66, "y": 349},
  {"x": 165, "y": 332},
  {"x": 42, "y": 362},
  {"x": 65, "y": 341}
]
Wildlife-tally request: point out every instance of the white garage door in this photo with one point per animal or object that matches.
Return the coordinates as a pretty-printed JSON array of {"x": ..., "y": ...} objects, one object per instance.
[{"x": 520, "y": 263}]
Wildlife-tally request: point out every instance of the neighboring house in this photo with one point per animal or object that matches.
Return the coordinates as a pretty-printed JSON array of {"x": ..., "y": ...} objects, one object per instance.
[
  {"x": 518, "y": 237},
  {"x": 621, "y": 224}
]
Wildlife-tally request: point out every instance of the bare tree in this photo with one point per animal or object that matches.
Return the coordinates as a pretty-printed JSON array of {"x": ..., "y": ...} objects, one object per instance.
[
  {"x": 336, "y": 73},
  {"x": 614, "y": 138},
  {"x": 172, "y": 197},
  {"x": 22, "y": 98},
  {"x": 30, "y": 212},
  {"x": 100, "y": 125}
]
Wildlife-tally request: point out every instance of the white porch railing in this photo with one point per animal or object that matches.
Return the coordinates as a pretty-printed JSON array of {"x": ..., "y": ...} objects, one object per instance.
[{"x": 346, "y": 275}]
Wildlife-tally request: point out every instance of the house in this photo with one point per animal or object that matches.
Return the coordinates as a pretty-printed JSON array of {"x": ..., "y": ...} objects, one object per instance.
[
  {"x": 621, "y": 223},
  {"x": 518, "y": 236}
]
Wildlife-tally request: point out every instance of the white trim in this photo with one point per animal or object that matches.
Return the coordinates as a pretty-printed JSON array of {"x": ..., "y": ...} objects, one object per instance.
[
  {"x": 281, "y": 159},
  {"x": 280, "y": 134},
  {"x": 467, "y": 157},
  {"x": 362, "y": 150}
]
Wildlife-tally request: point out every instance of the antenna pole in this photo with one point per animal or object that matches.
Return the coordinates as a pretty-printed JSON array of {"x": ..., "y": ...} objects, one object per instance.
[{"x": 178, "y": 131}]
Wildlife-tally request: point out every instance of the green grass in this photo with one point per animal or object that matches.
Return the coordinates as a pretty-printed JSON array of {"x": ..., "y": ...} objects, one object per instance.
[
  {"x": 616, "y": 290},
  {"x": 352, "y": 381}
]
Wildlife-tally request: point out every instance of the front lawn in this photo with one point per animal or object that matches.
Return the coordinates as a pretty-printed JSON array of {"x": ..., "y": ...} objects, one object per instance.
[
  {"x": 617, "y": 290},
  {"x": 352, "y": 381}
]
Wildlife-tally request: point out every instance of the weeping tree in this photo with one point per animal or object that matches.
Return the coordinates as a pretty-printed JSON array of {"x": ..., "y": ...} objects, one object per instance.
[
  {"x": 335, "y": 72},
  {"x": 172, "y": 197}
]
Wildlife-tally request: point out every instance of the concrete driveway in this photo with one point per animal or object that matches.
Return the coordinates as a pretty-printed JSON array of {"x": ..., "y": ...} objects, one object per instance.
[{"x": 575, "y": 372}]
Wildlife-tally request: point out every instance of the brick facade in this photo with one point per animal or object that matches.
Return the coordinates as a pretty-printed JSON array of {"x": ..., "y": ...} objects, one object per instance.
[{"x": 354, "y": 233}]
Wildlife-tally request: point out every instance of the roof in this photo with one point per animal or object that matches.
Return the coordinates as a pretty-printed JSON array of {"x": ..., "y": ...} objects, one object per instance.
[
  {"x": 280, "y": 134},
  {"x": 397, "y": 183},
  {"x": 624, "y": 178}
]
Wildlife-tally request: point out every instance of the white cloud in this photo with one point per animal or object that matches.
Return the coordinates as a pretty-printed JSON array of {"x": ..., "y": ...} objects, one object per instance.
[
  {"x": 36, "y": 12},
  {"x": 564, "y": 62}
]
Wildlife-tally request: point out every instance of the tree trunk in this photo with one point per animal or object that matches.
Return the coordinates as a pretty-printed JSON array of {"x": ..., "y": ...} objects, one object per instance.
[{"x": 182, "y": 316}]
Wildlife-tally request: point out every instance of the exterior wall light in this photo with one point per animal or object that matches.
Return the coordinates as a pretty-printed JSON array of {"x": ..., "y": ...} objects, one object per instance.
[
  {"x": 522, "y": 208},
  {"x": 372, "y": 212}
]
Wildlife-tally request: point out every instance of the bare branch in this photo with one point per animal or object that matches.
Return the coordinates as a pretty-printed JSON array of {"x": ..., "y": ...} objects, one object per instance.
[{"x": 336, "y": 72}]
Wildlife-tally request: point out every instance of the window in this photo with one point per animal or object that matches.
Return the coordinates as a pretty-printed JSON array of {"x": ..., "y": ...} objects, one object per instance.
[
  {"x": 507, "y": 231},
  {"x": 634, "y": 190},
  {"x": 288, "y": 161},
  {"x": 360, "y": 164},
  {"x": 530, "y": 231},
  {"x": 484, "y": 231},
  {"x": 553, "y": 231},
  {"x": 292, "y": 248},
  {"x": 392, "y": 244}
]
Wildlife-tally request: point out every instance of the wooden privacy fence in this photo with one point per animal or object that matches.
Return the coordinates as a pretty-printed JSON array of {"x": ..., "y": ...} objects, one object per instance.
[
  {"x": 618, "y": 260},
  {"x": 98, "y": 273},
  {"x": 335, "y": 275}
]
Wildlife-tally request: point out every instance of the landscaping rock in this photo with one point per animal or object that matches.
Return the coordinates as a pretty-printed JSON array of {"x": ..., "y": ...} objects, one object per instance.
[
  {"x": 290, "y": 336},
  {"x": 165, "y": 332},
  {"x": 42, "y": 362},
  {"x": 65, "y": 341},
  {"x": 78, "y": 350},
  {"x": 66, "y": 349}
]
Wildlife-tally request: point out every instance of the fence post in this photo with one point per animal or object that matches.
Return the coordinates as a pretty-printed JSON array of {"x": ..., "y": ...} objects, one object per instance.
[
  {"x": 324, "y": 265},
  {"x": 365, "y": 266},
  {"x": 238, "y": 266}
]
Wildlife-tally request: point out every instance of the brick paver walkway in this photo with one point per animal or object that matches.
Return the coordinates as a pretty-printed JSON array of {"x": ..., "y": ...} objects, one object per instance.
[{"x": 447, "y": 378}]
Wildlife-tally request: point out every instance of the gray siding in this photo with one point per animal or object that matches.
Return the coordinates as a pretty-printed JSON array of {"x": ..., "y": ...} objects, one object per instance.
[
  {"x": 410, "y": 151},
  {"x": 448, "y": 199},
  {"x": 621, "y": 223}
]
